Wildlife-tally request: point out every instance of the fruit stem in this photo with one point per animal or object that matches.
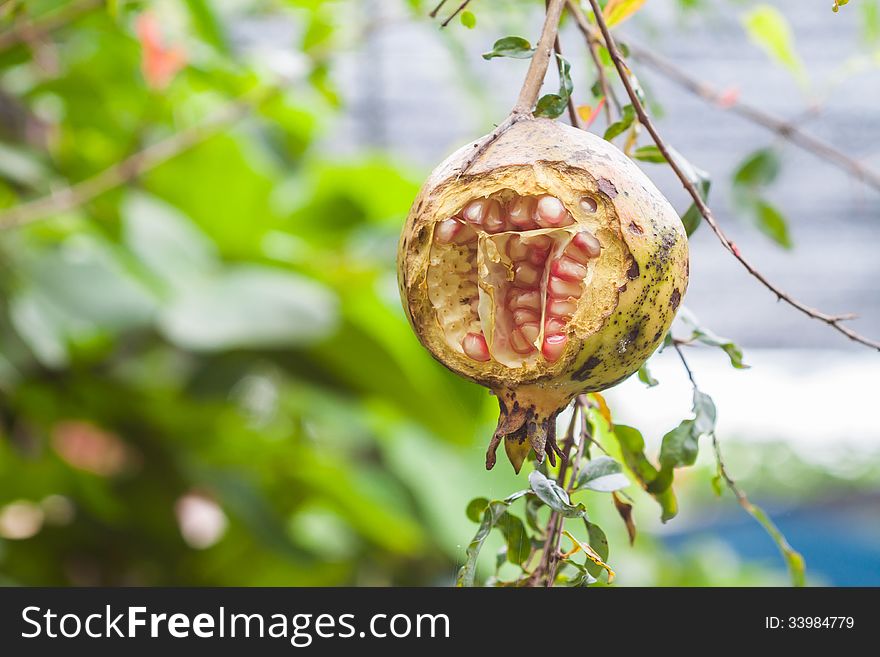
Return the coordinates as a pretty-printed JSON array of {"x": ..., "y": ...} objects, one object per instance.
[{"x": 531, "y": 87}]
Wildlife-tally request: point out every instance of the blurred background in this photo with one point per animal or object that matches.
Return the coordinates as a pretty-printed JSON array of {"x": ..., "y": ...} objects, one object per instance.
[{"x": 205, "y": 374}]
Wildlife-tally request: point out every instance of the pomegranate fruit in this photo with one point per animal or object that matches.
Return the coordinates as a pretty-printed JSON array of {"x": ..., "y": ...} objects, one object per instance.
[{"x": 551, "y": 267}]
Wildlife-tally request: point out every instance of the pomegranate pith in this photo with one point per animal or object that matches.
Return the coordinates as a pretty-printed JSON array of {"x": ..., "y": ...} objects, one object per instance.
[{"x": 550, "y": 268}]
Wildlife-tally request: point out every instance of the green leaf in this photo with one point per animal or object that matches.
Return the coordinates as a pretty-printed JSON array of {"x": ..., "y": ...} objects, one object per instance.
[
  {"x": 602, "y": 474},
  {"x": 583, "y": 577},
  {"x": 772, "y": 223},
  {"x": 768, "y": 28},
  {"x": 870, "y": 10},
  {"x": 793, "y": 559},
  {"x": 680, "y": 446},
  {"x": 475, "y": 508},
  {"x": 646, "y": 377},
  {"x": 649, "y": 154},
  {"x": 628, "y": 115},
  {"x": 632, "y": 447},
  {"x": 838, "y": 4},
  {"x": 166, "y": 242},
  {"x": 207, "y": 24},
  {"x": 553, "y": 105},
  {"x": 554, "y": 496},
  {"x": 758, "y": 169},
  {"x": 468, "y": 19},
  {"x": 519, "y": 546},
  {"x": 510, "y": 46},
  {"x": 704, "y": 413},
  {"x": 533, "y": 505},
  {"x": 22, "y": 167},
  {"x": 705, "y": 336},
  {"x": 250, "y": 306},
  {"x": 492, "y": 514},
  {"x": 599, "y": 542}
]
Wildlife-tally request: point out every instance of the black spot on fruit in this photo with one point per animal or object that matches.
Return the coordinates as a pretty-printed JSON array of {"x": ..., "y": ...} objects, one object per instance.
[
  {"x": 633, "y": 272},
  {"x": 583, "y": 372},
  {"x": 675, "y": 299}
]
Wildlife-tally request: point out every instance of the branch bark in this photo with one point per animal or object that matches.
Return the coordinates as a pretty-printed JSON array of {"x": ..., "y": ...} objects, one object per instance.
[
  {"x": 586, "y": 29},
  {"x": 834, "y": 321},
  {"x": 785, "y": 129},
  {"x": 73, "y": 196},
  {"x": 531, "y": 87},
  {"x": 455, "y": 13},
  {"x": 29, "y": 30}
]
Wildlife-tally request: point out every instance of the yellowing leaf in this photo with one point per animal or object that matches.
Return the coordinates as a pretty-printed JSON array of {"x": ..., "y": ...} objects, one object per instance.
[
  {"x": 768, "y": 28},
  {"x": 585, "y": 112},
  {"x": 617, "y": 11},
  {"x": 591, "y": 554},
  {"x": 604, "y": 411}
]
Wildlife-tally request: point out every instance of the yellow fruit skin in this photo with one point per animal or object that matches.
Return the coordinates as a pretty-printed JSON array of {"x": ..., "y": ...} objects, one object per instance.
[{"x": 645, "y": 265}]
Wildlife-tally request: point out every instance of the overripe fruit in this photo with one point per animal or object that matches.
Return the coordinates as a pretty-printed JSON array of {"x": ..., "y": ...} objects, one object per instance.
[{"x": 551, "y": 267}]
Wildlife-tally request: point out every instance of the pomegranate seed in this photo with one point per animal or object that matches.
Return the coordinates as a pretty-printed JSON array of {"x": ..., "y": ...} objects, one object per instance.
[
  {"x": 586, "y": 242},
  {"x": 473, "y": 212},
  {"x": 553, "y": 346},
  {"x": 562, "y": 289},
  {"x": 551, "y": 212},
  {"x": 522, "y": 212},
  {"x": 474, "y": 345},
  {"x": 568, "y": 269},
  {"x": 446, "y": 231},
  {"x": 562, "y": 307}
]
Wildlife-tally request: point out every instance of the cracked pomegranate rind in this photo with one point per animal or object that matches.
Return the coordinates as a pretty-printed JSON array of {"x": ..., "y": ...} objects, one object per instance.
[{"x": 552, "y": 267}]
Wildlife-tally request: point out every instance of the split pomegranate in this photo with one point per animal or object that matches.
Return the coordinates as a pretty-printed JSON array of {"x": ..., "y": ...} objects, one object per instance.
[{"x": 551, "y": 267}]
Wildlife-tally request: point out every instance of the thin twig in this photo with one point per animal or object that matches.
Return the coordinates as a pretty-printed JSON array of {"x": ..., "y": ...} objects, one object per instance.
[
  {"x": 685, "y": 363},
  {"x": 793, "y": 559},
  {"x": 74, "y": 196},
  {"x": 29, "y": 30},
  {"x": 434, "y": 11},
  {"x": 455, "y": 13},
  {"x": 581, "y": 21},
  {"x": 785, "y": 129},
  {"x": 623, "y": 72},
  {"x": 531, "y": 86}
]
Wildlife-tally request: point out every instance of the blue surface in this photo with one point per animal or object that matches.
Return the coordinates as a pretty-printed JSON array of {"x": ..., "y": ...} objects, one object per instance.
[{"x": 840, "y": 541}]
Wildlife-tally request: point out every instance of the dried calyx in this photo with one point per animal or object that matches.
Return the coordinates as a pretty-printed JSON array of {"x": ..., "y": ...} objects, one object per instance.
[{"x": 551, "y": 267}]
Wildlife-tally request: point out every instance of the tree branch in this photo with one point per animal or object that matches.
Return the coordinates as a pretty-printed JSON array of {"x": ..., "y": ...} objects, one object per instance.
[
  {"x": 785, "y": 129},
  {"x": 583, "y": 25},
  {"x": 531, "y": 87},
  {"x": 455, "y": 13},
  {"x": 28, "y": 30},
  {"x": 793, "y": 558},
  {"x": 434, "y": 11},
  {"x": 623, "y": 72},
  {"x": 528, "y": 95},
  {"x": 73, "y": 196}
]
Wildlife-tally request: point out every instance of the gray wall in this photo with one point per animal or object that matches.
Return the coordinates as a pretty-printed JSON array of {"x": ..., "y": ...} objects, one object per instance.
[{"x": 406, "y": 92}]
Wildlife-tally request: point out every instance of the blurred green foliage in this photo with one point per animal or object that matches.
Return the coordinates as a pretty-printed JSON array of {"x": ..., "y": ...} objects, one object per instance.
[
  {"x": 225, "y": 328},
  {"x": 205, "y": 374}
]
